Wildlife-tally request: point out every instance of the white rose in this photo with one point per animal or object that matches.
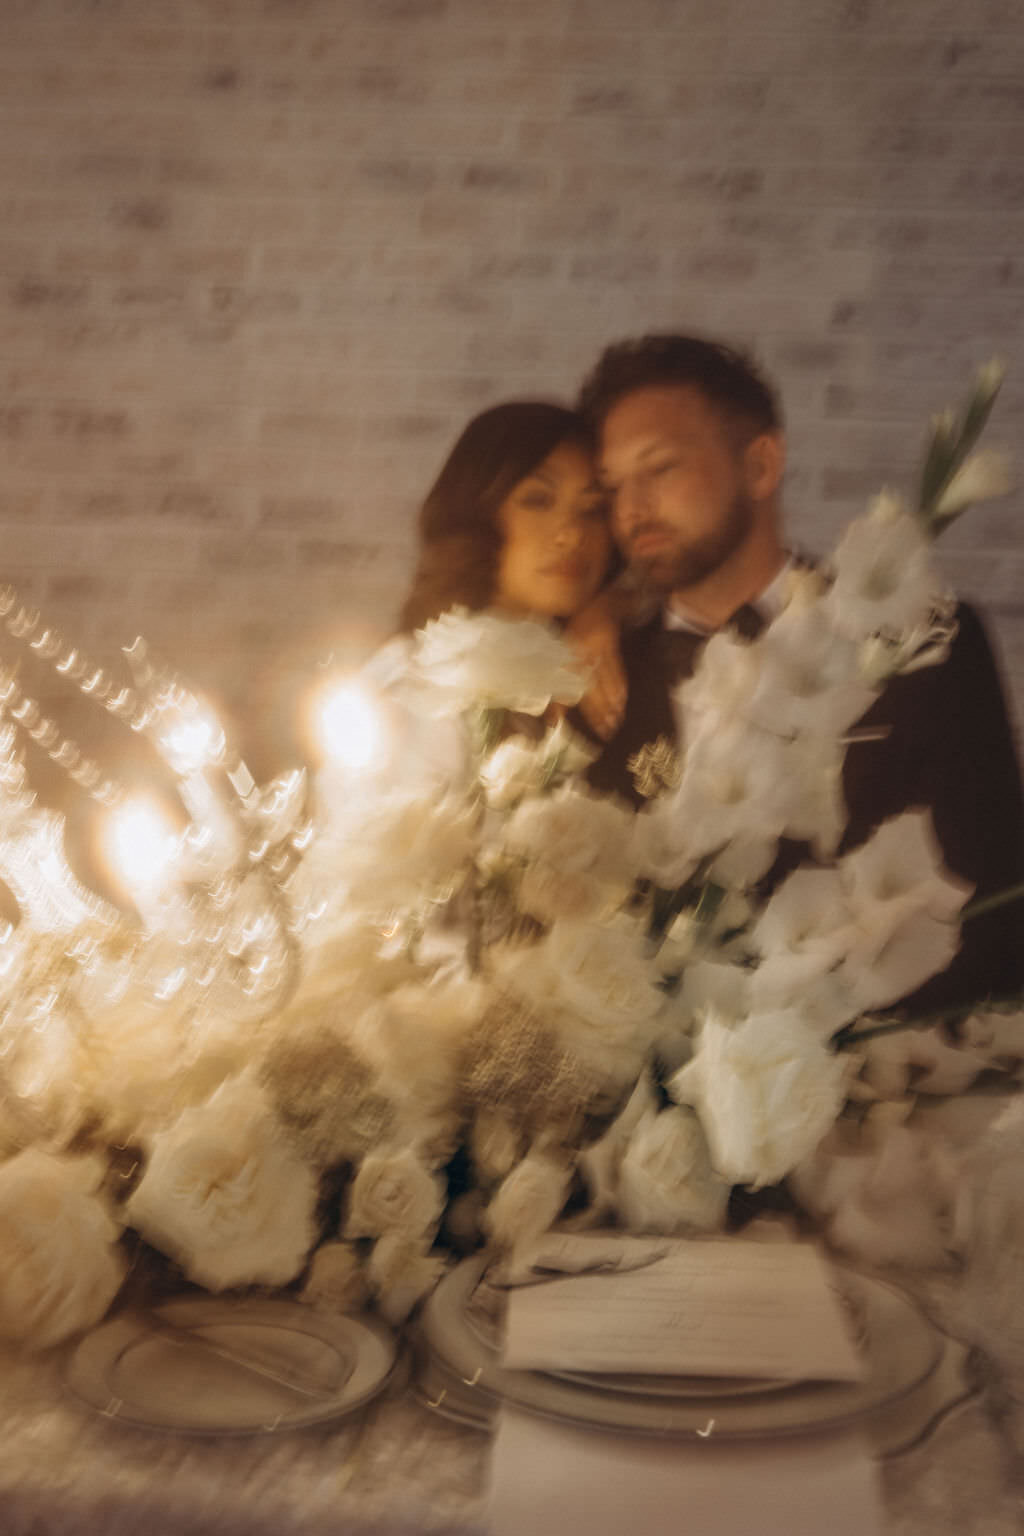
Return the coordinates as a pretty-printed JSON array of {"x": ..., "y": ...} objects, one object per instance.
[
  {"x": 414, "y": 1040},
  {"x": 224, "y": 1194},
  {"x": 529, "y": 1201},
  {"x": 575, "y": 831},
  {"x": 580, "y": 854},
  {"x": 337, "y": 1279},
  {"x": 606, "y": 975},
  {"x": 59, "y": 1269},
  {"x": 405, "y": 845},
  {"x": 401, "y": 1272},
  {"x": 666, "y": 1182},
  {"x": 59, "y": 1266},
  {"x": 766, "y": 1090},
  {"x": 487, "y": 661},
  {"x": 511, "y": 771},
  {"x": 496, "y": 1144},
  {"x": 394, "y": 1192},
  {"x": 548, "y": 893},
  {"x": 598, "y": 985}
]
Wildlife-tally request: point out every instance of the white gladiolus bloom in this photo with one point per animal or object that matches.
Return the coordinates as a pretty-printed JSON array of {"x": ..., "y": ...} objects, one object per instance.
[
  {"x": 487, "y": 661},
  {"x": 805, "y": 916},
  {"x": 888, "y": 1196},
  {"x": 722, "y": 686},
  {"x": 733, "y": 788},
  {"x": 981, "y": 477},
  {"x": 922, "y": 1060},
  {"x": 817, "y": 807},
  {"x": 927, "y": 644},
  {"x": 803, "y": 935},
  {"x": 224, "y": 1194},
  {"x": 666, "y": 1182},
  {"x": 825, "y": 997},
  {"x": 59, "y": 1265},
  {"x": 807, "y": 680},
  {"x": 766, "y": 1091},
  {"x": 894, "y": 960},
  {"x": 884, "y": 574},
  {"x": 999, "y": 1035},
  {"x": 902, "y": 861},
  {"x": 905, "y": 907}
]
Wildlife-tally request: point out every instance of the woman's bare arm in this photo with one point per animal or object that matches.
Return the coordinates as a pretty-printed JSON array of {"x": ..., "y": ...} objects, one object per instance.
[{"x": 594, "y": 636}]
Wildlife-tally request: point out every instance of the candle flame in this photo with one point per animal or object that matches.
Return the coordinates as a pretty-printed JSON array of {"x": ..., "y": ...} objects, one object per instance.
[
  {"x": 351, "y": 728},
  {"x": 141, "y": 845}
]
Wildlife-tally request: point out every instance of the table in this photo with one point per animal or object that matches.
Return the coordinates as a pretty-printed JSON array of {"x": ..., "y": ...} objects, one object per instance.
[
  {"x": 65, "y": 1471},
  {"x": 398, "y": 1469}
]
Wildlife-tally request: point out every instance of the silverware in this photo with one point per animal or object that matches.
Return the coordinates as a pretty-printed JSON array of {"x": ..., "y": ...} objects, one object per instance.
[{"x": 188, "y": 1338}]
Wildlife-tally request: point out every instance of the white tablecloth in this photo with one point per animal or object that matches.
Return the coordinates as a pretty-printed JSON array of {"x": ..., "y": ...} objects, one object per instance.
[{"x": 65, "y": 1470}]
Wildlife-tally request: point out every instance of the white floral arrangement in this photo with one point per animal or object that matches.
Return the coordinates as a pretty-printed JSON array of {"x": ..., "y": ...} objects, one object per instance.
[{"x": 590, "y": 1010}]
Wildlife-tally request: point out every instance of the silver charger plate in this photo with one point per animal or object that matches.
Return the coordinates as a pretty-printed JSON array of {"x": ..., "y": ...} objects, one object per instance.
[
  {"x": 458, "y": 1375},
  {"x": 209, "y": 1366}
]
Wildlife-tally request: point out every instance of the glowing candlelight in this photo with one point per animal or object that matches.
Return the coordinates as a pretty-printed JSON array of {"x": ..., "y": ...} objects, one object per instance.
[
  {"x": 141, "y": 846},
  {"x": 351, "y": 729},
  {"x": 192, "y": 742}
]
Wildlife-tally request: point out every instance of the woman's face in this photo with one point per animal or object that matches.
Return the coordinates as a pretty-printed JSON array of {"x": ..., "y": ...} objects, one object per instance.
[{"x": 556, "y": 537}]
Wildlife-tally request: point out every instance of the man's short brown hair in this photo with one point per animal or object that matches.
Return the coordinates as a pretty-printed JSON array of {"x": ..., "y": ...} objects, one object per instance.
[{"x": 727, "y": 379}]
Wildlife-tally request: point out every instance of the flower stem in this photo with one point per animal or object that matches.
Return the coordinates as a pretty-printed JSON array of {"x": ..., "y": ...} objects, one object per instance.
[
  {"x": 846, "y": 1037},
  {"x": 992, "y": 903}
]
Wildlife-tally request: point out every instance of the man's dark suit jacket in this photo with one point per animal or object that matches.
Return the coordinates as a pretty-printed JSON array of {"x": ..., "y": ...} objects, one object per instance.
[{"x": 949, "y": 747}]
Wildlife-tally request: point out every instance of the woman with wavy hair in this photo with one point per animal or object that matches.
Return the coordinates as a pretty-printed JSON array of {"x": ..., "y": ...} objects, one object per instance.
[{"x": 515, "y": 520}]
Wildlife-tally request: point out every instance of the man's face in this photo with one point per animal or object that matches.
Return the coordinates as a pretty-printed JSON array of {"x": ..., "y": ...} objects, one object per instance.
[{"x": 675, "y": 470}]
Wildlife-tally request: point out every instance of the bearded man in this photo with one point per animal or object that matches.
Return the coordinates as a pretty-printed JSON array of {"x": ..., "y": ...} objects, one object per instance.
[{"x": 692, "y": 455}]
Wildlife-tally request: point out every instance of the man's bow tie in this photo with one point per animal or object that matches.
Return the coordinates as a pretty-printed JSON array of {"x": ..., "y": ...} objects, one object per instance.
[
  {"x": 747, "y": 621},
  {"x": 681, "y": 645}
]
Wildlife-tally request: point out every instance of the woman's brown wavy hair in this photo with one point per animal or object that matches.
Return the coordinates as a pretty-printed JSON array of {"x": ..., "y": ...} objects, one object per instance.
[{"x": 460, "y": 541}]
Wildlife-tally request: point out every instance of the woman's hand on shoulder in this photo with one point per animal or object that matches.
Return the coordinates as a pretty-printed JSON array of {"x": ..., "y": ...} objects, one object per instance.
[{"x": 594, "y": 636}]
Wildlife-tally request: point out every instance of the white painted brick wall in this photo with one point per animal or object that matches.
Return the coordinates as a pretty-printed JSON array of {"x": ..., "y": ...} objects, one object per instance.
[{"x": 259, "y": 259}]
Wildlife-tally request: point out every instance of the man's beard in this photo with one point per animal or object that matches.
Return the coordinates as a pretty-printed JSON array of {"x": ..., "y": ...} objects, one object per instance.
[{"x": 685, "y": 565}]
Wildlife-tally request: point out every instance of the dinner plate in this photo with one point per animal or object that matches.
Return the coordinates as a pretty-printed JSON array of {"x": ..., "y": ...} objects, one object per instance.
[
  {"x": 459, "y": 1375},
  {"x": 212, "y": 1366}
]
